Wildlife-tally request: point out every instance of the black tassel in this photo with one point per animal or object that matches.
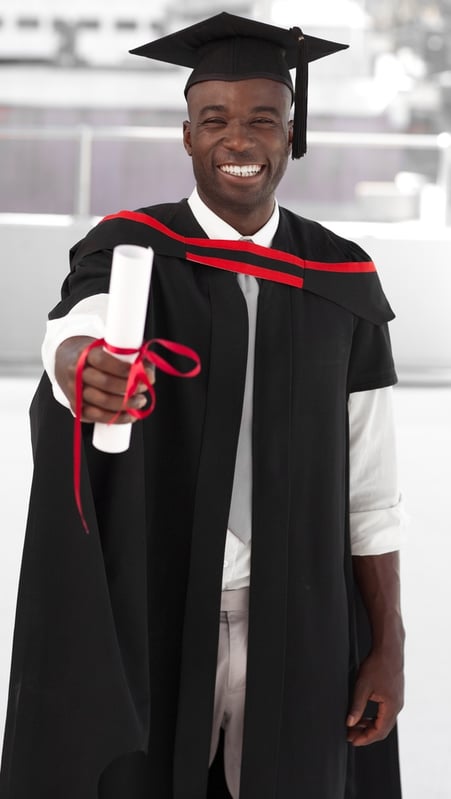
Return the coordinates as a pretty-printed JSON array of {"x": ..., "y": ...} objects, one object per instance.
[{"x": 299, "y": 145}]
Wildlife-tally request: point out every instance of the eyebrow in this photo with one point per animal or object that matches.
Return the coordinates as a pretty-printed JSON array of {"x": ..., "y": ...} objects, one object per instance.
[
  {"x": 207, "y": 109},
  {"x": 265, "y": 109}
]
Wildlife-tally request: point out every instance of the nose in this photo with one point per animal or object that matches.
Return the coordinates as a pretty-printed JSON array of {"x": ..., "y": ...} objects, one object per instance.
[{"x": 238, "y": 137}]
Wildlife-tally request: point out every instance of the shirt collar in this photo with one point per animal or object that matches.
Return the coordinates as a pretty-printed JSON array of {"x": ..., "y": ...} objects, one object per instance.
[{"x": 216, "y": 228}]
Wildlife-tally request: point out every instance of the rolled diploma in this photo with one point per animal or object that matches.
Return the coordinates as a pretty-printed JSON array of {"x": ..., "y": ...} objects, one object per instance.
[{"x": 126, "y": 315}]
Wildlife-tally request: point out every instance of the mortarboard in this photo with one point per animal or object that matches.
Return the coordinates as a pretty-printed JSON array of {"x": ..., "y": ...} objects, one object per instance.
[{"x": 227, "y": 47}]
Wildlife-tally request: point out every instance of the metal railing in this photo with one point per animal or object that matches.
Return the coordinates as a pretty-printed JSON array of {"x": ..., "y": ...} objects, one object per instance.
[{"x": 86, "y": 135}]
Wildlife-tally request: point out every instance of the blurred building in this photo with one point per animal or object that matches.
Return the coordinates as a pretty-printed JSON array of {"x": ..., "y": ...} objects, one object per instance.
[{"x": 66, "y": 66}]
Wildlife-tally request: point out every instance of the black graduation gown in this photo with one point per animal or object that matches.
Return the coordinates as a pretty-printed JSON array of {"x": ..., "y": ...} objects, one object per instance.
[{"x": 116, "y": 632}]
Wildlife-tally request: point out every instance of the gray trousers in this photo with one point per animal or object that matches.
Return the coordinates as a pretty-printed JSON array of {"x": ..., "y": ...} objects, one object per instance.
[{"x": 228, "y": 711}]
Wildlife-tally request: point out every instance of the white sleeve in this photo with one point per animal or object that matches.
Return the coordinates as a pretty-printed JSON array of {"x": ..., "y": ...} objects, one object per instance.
[
  {"x": 87, "y": 318},
  {"x": 376, "y": 513}
]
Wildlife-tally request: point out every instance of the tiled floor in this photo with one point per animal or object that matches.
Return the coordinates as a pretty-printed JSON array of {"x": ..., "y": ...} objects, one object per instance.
[{"x": 424, "y": 435}]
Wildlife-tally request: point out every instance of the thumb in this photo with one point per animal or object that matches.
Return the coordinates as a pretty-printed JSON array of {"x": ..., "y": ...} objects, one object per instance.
[{"x": 362, "y": 693}]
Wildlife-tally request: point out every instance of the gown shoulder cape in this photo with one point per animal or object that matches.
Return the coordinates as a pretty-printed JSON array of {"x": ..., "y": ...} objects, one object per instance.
[{"x": 113, "y": 668}]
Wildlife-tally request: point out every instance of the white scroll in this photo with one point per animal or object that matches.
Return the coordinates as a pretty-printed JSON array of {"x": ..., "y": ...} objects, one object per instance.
[{"x": 126, "y": 315}]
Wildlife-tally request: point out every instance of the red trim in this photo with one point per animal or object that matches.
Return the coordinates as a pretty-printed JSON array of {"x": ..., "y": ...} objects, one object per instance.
[
  {"x": 249, "y": 246},
  {"x": 247, "y": 269},
  {"x": 145, "y": 219},
  {"x": 220, "y": 244},
  {"x": 346, "y": 266},
  {"x": 245, "y": 246}
]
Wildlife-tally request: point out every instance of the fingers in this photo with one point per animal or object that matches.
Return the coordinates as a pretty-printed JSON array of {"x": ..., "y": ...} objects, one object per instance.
[
  {"x": 362, "y": 694},
  {"x": 103, "y": 397},
  {"x": 360, "y": 731},
  {"x": 105, "y": 383},
  {"x": 363, "y": 728},
  {"x": 101, "y": 406},
  {"x": 99, "y": 359},
  {"x": 103, "y": 370},
  {"x": 369, "y": 730}
]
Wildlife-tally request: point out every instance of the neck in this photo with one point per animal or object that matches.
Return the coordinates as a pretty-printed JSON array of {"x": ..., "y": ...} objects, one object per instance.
[{"x": 245, "y": 221}]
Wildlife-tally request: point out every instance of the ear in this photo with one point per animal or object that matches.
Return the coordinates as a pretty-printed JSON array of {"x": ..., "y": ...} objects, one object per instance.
[
  {"x": 290, "y": 132},
  {"x": 187, "y": 137}
]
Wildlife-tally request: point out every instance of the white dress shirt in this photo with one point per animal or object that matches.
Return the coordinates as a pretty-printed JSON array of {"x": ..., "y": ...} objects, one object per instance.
[{"x": 376, "y": 516}]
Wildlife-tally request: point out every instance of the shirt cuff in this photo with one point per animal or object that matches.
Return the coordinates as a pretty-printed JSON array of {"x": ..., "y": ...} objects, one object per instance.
[
  {"x": 375, "y": 532},
  {"x": 87, "y": 318}
]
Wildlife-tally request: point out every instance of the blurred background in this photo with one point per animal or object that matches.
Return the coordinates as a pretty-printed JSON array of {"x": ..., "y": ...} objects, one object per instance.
[{"x": 87, "y": 129}]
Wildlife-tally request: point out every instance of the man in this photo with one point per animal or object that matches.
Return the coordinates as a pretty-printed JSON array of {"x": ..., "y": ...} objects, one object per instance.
[{"x": 233, "y": 503}]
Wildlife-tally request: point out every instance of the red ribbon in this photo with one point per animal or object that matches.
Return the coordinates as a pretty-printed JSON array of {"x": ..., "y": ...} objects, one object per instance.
[{"x": 136, "y": 376}]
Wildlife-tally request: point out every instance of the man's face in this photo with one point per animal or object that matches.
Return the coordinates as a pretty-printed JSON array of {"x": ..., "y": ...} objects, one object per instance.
[{"x": 239, "y": 137}]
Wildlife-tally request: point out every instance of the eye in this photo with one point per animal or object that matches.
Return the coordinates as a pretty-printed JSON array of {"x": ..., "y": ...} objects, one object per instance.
[
  {"x": 212, "y": 121},
  {"x": 263, "y": 121}
]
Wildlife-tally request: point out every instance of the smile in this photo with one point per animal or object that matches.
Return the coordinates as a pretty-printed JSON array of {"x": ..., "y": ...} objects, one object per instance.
[{"x": 247, "y": 171}]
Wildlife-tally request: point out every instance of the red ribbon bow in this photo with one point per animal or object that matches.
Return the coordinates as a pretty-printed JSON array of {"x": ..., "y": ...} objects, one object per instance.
[{"x": 136, "y": 376}]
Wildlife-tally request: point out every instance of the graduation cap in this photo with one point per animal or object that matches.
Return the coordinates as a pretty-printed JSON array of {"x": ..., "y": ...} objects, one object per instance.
[{"x": 227, "y": 47}]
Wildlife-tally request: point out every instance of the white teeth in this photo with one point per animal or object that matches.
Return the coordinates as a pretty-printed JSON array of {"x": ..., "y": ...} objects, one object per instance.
[{"x": 241, "y": 171}]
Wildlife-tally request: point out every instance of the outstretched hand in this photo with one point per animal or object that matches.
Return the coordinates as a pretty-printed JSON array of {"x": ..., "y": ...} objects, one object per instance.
[{"x": 104, "y": 381}]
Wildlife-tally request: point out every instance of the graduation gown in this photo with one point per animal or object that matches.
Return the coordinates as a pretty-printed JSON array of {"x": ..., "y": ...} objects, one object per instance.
[{"x": 113, "y": 669}]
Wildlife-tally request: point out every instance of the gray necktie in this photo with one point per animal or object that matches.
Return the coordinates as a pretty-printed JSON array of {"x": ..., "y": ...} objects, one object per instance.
[{"x": 240, "y": 518}]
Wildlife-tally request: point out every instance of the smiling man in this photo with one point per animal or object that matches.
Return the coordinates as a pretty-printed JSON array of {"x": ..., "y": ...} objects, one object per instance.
[
  {"x": 239, "y": 147},
  {"x": 231, "y": 626}
]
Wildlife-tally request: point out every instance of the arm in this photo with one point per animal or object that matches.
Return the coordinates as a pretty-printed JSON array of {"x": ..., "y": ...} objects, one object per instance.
[
  {"x": 72, "y": 326},
  {"x": 380, "y": 676},
  {"x": 376, "y": 521},
  {"x": 104, "y": 377},
  {"x": 85, "y": 318}
]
